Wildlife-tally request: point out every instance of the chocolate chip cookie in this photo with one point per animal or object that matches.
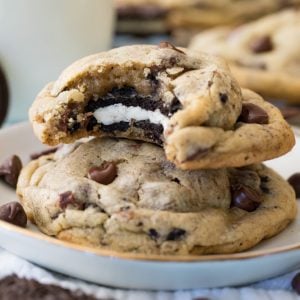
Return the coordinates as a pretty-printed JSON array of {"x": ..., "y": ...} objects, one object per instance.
[
  {"x": 125, "y": 196},
  {"x": 141, "y": 17},
  {"x": 187, "y": 101},
  {"x": 264, "y": 55},
  {"x": 202, "y": 14},
  {"x": 158, "y": 16}
]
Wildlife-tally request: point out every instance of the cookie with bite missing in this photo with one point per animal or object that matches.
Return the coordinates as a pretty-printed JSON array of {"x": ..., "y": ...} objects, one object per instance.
[
  {"x": 124, "y": 195},
  {"x": 184, "y": 100},
  {"x": 264, "y": 55}
]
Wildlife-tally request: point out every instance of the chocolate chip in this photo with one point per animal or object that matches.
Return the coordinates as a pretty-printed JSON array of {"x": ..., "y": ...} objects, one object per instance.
[
  {"x": 223, "y": 97},
  {"x": 105, "y": 174},
  {"x": 264, "y": 179},
  {"x": 153, "y": 234},
  {"x": 170, "y": 46},
  {"x": 4, "y": 96},
  {"x": 15, "y": 288},
  {"x": 44, "y": 152},
  {"x": 252, "y": 113},
  {"x": 245, "y": 198},
  {"x": 263, "y": 184},
  {"x": 262, "y": 44},
  {"x": 175, "y": 180},
  {"x": 10, "y": 170},
  {"x": 13, "y": 213},
  {"x": 67, "y": 198},
  {"x": 264, "y": 189},
  {"x": 296, "y": 283},
  {"x": 175, "y": 234},
  {"x": 175, "y": 106},
  {"x": 294, "y": 181}
]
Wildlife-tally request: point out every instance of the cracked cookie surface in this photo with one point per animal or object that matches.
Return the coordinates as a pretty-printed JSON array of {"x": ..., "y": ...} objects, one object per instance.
[
  {"x": 125, "y": 196},
  {"x": 160, "y": 94},
  {"x": 264, "y": 55}
]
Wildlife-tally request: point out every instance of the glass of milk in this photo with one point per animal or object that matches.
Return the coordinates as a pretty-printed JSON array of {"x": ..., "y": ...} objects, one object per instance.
[{"x": 39, "y": 38}]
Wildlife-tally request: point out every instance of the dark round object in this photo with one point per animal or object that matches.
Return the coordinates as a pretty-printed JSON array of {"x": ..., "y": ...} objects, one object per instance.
[
  {"x": 4, "y": 96},
  {"x": 294, "y": 181},
  {"x": 13, "y": 213},
  {"x": 296, "y": 283}
]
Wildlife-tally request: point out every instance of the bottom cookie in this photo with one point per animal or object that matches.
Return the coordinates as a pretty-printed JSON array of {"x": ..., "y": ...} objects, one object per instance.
[{"x": 124, "y": 195}]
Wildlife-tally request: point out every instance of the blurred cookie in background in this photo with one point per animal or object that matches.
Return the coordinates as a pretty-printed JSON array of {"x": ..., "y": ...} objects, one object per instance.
[
  {"x": 141, "y": 17},
  {"x": 201, "y": 14},
  {"x": 264, "y": 55},
  {"x": 188, "y": 16}
]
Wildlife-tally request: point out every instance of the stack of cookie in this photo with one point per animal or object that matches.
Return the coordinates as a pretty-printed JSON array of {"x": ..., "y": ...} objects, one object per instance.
[{"x": 174, "y": 165}]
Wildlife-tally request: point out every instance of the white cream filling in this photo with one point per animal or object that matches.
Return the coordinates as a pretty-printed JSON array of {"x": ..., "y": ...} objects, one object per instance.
[{"x": 120, "y": 113}]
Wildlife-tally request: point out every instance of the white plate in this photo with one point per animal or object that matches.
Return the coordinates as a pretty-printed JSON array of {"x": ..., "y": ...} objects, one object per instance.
[{"x": 270, "y": 258}]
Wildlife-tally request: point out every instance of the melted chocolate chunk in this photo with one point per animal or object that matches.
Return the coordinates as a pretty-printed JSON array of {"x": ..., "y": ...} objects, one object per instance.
[
  {"x": 10, "y": 170},
  {"x": 15, "y": 288},
  {"x": 262, "y": 44},
  {"x": 4, "y": 96},
  {"x": 175, "y": 180},
  {"x": 105, "y": 174},
  {"x": 67, "y": 198},
  {"x": 153, "y": 234},
  {"x": 42, "y": 153},
  {"x": 175, "y": 106},
  {"x": 264, "y": 184},
  {"x": 223, "y": 97},
  {"x": 13, "y": 213},
  {"x": 252, "y": 113},
  {"x": 294, "y": 181},
  {"x": 175, "y": 234},
  {"x": 245, "y": 198}
]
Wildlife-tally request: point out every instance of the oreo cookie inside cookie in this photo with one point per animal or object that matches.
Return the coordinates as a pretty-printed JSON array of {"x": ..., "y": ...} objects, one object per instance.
[
  {"x": 124, "y": 108},
  {"x": 3, "y": 96}
]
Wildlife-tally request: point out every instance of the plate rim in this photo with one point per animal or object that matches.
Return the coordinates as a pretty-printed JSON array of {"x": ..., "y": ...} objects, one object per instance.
[
  {"x": 146, "y": 257},
  {"x": 138, "y": 256}
]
